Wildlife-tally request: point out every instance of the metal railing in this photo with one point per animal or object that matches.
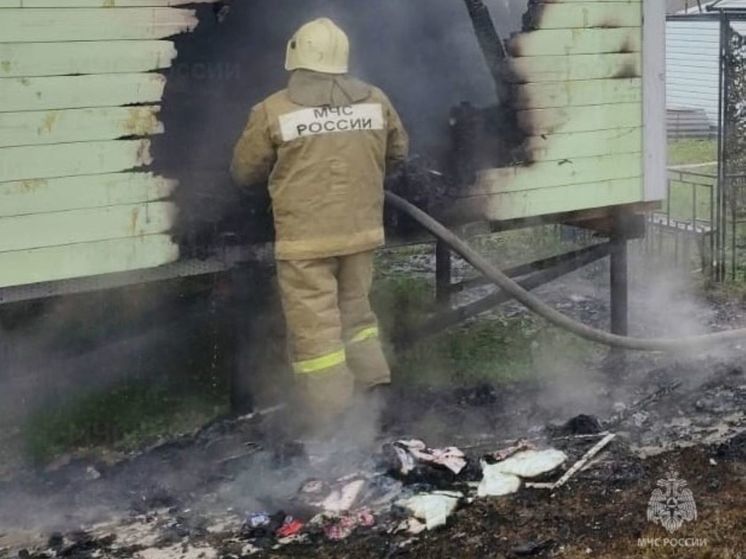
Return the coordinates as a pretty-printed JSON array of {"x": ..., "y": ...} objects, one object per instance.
[
  {"x": 702, "y": 221},
  {"x": 683, "y": 228}
]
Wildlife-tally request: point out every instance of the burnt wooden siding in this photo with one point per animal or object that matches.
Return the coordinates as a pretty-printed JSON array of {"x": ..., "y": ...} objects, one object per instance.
[{"x": 578, "y": 78}]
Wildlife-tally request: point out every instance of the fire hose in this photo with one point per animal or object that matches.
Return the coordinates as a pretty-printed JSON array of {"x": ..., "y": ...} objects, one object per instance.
[{"x": 460, "y": 247}]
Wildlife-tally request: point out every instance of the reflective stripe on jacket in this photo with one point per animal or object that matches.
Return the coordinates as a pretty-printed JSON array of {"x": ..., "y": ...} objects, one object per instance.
[{"x": 326, "y": 167}]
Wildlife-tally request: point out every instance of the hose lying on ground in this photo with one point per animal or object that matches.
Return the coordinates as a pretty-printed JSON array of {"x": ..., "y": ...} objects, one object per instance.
[{"x": 545, "y": 311}]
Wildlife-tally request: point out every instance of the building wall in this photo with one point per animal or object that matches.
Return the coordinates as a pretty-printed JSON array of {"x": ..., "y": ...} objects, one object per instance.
[
  {"x": 692, "y": 65},
  {"x": 79, "y": 99},
  {"x": 580, "y": 80}
]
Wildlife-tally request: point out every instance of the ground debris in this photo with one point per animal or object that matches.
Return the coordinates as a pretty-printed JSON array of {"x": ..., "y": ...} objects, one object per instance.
[
  {"x": 433, "y": 508},
  {"x": 582, "y": 424},
  {"x": 690, "y": 425},
  {"x": 532, "y": 548}
]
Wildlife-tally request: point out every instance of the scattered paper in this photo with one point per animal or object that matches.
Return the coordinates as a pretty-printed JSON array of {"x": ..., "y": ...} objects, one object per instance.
[
  {"x": 495, "y": 483},
  {"x": 433, "y": 508},
  {"x": 532, "y": 463}
]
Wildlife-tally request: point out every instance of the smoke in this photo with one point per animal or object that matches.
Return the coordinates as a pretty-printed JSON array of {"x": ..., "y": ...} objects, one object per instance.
[
  {"x": 665, "y": 301},
  {"x": 422, "y": 53},
  {"x": 78, "y": 371},
  {"x": 59, "y": 350},
  {"x": 343, "y": 448}
]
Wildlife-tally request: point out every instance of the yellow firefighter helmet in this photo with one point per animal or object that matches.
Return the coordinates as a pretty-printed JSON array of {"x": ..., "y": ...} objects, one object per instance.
[{"x": 321, "y": 46}]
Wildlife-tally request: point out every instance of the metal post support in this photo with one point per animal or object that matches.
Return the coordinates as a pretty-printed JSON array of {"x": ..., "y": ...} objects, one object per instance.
[
  {"x": 719, "y": 226},
  {"x": 443, "y": 274},
  {"x": 619, "y": 286}
]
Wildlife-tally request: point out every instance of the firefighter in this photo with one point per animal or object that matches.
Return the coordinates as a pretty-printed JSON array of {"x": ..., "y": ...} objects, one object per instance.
[{"x": 325, "y": 144}]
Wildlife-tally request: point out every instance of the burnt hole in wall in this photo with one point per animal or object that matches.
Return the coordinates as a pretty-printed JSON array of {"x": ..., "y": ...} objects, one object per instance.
[
  {"x": 492, "y": 136},
  {"x": 422, "y": 53}
]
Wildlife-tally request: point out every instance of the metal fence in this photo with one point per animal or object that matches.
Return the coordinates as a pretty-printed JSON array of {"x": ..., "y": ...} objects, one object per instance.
[
  {"x": 702, "y": 224},
  {"x": 707, "y": 210},
  {"x": 682, "y": 229}
]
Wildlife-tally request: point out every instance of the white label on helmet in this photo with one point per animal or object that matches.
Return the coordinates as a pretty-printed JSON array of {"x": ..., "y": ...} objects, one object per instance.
[{"x": 331, "y": 120}]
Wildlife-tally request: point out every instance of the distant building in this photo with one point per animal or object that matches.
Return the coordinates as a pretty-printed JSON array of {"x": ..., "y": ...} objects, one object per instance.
[
  {"x": 692, "y": 63},
  {"x": 676, "y": 6}
]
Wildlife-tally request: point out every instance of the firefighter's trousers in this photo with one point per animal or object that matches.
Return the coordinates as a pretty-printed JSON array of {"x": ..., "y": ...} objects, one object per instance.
[{"x": 332, "y": 330}]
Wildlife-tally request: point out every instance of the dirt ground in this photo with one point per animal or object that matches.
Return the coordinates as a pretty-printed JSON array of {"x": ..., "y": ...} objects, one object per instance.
[{"x": 598, "y": 518}]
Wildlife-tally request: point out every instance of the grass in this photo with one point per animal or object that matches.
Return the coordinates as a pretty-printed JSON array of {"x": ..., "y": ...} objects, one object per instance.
[
  {"x": 691, "y": 152},
  {"x": 166, "y": 385},
  {"x": 491, "y": 348},
  {"x": 684, "y": 198},
  {"x": 122, "y": 418}
]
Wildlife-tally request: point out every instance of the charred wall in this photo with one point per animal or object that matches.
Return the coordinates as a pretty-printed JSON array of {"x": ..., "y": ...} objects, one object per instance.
[{"x": 423, "y": 53}]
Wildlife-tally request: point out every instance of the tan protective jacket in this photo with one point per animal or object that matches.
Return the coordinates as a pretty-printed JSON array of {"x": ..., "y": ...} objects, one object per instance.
[{"x": 324, "y": 143}]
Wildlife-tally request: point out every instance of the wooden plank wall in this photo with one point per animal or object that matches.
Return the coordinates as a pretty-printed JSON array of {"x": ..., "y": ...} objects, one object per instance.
[
  {"x": 80, "y": 88},
  {"x": 578, "y": 84}
]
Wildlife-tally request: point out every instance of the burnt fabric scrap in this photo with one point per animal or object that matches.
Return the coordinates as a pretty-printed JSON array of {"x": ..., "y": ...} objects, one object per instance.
[
  {"x": 341, "y": 527},
  {"x": 413, "y": 453}
]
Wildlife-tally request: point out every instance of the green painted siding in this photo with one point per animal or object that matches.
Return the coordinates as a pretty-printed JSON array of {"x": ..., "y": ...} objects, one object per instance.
[
  {"x": 41, "y": 196},
  {"x": 85, "y": 259},
  {"x": 74, "y": 92},
  {"x": 566, "y": 172},
  {"x": 558, "y": 147},
  {"x": 64, "y": 160},
  {"x": 27, "y": 128},
  {"x": 84, "y": 57},
  {"x": 544, "y": 201},
  {"x": 79, "y": 97},
  {"x": 76, "y": 198},
  {"x": 560, "y": 68},
  {"x": 82, "y": 226},
  {"x": 31, "y": 25}
]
